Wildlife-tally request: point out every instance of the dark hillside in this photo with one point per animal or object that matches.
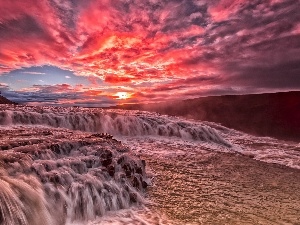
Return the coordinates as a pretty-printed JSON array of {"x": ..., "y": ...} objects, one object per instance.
[{"x": 4, "y": 100}]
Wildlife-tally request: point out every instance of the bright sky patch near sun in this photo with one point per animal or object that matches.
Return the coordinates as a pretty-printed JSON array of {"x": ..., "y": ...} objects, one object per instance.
[
  {"x": 86, "y": 53},
  {"x": 122, "y": 95}
]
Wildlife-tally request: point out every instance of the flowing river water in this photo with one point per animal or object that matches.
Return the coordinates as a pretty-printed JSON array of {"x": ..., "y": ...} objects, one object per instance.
[{"x": 92, "y": 166}]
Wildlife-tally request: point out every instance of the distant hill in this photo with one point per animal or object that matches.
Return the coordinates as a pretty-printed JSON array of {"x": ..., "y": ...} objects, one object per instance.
[
  {"x": 4, "y": 100},
  {"x": 276, "y": 114}
]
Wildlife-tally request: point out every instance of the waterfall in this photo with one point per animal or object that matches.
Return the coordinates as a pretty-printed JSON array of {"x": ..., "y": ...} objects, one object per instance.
[
  {"x": 62, "y": 165},
  {"x": 66, "y": 176},
  {"x": 115, "y": 122}
]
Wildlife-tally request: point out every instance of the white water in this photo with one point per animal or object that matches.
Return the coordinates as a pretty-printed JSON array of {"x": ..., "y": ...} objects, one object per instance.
[
  {"x": 51, "y": 164},
  {"x": 115, "y": 122},
  {"x": 58, "y": 176}
]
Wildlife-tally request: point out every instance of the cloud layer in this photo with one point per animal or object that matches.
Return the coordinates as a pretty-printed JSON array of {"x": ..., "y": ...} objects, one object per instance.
[{"x": 154, "y": 50}]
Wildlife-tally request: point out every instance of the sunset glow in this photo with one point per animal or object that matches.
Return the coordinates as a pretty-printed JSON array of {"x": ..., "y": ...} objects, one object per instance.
[
  {"x": 122, "y": 95},
  {"x": 83, "y": 52}
]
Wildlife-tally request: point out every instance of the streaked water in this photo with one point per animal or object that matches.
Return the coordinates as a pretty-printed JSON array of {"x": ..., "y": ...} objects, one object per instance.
[{"x": 59, "y": 166}]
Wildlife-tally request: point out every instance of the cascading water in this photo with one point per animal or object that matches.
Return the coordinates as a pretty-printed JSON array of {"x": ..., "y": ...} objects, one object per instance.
[
  {"x": 115, "y": 122},
  {"x": 62, "y": 166},
  {"x": 56, "y": 169},
  {"x": 22, "y": 201},
  {"x": 57, "y": 176}
]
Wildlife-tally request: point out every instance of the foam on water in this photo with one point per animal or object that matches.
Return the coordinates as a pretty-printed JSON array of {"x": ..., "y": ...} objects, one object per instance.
[
  {"x": 55, "y": 169},
  {"x": 115, "y": 122},
  {"x": 64, "y": 176},
  {"x": 141, "y": 215}
]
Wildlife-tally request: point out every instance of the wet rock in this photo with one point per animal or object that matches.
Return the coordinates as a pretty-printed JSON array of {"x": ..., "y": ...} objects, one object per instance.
[
  {"x": 84, "y": 143},
  {"x": 144, "y": 184},
  {"x": 121, "y": 160},
  {"x": 55, "y": 148},
  {"x": 54, "y": 179},
  {"x": 133, "y": 197},
  {"x": 136, "y": 182},
  {"x": 111, "y": 170},
  {"x": 47, "y": 168},
  {"x": 5, "y": 147},
  {"x": 127, "y": 169},
  {"x": 102, "y": 135},
  {"x": 134, "y": 170},
  {"x": 139, "y": 170},
  {"x": 105, "y": 157},
  {"x": 144, "y": 163},
  {"x": 47, "y": 133},
  {"x": 89, "y": 163},
  {"x": 122, "y": 148}
]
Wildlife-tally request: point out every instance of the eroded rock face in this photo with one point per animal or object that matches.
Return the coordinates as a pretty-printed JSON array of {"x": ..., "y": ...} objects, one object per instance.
[{"x": 79, "y": 176}]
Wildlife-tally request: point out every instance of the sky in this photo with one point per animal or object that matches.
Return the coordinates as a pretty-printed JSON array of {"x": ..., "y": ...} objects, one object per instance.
[{"x": 107, "y": 52}]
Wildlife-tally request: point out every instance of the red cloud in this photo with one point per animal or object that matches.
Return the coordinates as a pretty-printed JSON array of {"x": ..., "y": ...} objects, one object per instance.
[
  {"x": 224, "y": 8},
  {"x": 148, "y": 45},
  {"x": 93, "y": 92},
  {"x": 116, "y": 79}
]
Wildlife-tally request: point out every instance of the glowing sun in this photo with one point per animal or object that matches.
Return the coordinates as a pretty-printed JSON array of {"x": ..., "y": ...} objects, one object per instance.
[{"x": 122, "y": 95}]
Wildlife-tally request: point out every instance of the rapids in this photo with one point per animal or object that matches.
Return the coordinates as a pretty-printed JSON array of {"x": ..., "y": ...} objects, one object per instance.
[
  {"x": 80, "y": 166},
  {"x": 114, "y": 122},
  {"x": 57, "y": 176}
]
